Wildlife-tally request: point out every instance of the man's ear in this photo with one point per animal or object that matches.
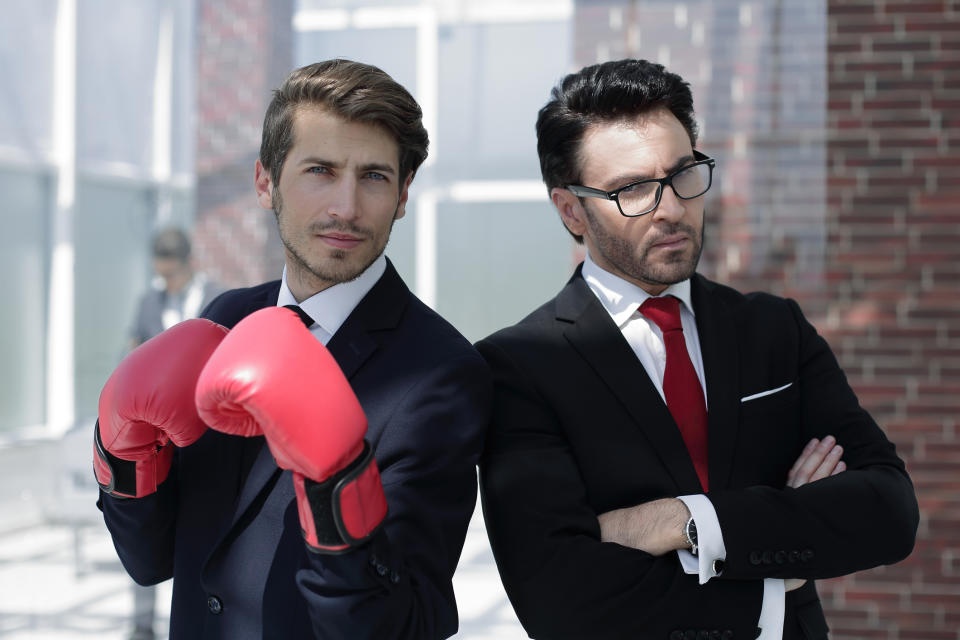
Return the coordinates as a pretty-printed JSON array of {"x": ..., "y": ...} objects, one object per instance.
[
  {"x": 264, "y": 186},
  {"x": 404, "y": 194},
  {"x": 571, "y": 210}
]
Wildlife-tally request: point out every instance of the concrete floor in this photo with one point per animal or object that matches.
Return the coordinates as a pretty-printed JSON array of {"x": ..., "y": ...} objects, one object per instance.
[{"x": 60, "y": 578}]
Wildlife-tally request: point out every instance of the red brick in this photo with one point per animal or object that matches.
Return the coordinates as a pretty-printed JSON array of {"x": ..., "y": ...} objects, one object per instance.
[
  {"x": 911, "y": 25},
  {"x": 903, "y": 46},
  {"x": 870, "y": 26},
  {"x": 913, "y": 7}
]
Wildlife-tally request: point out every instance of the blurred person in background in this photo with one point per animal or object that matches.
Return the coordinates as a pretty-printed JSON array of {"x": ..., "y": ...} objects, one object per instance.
[
  {"x": 670, "y": 458},
  {"x": 177, "y": 293},
  {"x": 302, "y": 460}
]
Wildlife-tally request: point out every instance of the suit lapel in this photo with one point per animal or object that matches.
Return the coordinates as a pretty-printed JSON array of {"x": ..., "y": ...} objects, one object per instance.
[
  {"x": 351, "y": 346},
  {"x": 718, "y": 346},
  {"x": 599, "y": 341},
  {"x": 363, "y": 331}
]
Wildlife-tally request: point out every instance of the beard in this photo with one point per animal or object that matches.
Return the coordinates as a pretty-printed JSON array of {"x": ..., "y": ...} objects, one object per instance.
[
  {"x": 635, "y": 262},
  {"x": 338, "y": 265}
]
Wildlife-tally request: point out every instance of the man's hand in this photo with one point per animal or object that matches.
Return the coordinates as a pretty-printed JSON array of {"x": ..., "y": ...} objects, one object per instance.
[
  {"x": 818, "y": 460},
  {"x": 655, "y": 527}
]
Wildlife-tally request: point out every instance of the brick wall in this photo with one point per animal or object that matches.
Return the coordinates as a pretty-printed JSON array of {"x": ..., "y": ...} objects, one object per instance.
[
  {"x": 244, "y": 50},
  {"x": 893, "y": 226},
  {"x": 837, "y": 127}
]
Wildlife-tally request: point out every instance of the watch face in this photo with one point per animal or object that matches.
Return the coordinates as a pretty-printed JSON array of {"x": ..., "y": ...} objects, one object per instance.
[{"x": 692, "y": 530}]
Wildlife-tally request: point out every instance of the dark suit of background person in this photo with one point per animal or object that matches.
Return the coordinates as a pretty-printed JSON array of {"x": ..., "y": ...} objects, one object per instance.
[
  {"x": 579, "y": 430},
  {"x": 225, "y": 524}
]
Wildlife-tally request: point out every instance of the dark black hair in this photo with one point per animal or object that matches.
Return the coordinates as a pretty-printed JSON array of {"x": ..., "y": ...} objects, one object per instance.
[{"x": 606, "y": 92}]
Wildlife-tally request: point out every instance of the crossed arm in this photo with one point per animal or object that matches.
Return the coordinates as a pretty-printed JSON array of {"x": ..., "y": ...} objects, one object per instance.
[{"x": 656, "y": 527}]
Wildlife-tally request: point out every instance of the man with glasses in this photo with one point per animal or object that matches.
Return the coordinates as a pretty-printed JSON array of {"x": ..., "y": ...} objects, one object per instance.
[{"x": 670, "y": 458}]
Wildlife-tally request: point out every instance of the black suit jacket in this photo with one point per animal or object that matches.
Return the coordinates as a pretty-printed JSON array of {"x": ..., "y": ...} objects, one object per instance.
[
  {"x": 225, "y": 525},
  {"x": 579, "y": 429}
]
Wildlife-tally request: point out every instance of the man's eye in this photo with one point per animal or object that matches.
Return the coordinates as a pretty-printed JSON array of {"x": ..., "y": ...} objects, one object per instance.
[
  {"x": 373, "y": 175},
  {"x": 318, "y": 170},
  {"x": 638, "y": 187}
]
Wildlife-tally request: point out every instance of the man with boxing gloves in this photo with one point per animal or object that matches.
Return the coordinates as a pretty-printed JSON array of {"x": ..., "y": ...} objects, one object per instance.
[{"x": 305, "y": 471}]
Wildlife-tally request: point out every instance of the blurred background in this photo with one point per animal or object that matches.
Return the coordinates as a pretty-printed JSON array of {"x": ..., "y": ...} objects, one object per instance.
[{"x": 835, "y": 124}]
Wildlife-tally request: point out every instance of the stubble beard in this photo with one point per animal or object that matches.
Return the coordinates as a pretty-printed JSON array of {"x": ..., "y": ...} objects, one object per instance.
[
  {"x": 338, "y": 268},
  {"x": 623, "y": 255}
]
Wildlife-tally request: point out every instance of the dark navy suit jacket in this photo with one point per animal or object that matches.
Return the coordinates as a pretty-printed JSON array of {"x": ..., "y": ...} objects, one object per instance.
[
  {"x": 225, "y": 526},
  {"x": 570, "y": 393}
]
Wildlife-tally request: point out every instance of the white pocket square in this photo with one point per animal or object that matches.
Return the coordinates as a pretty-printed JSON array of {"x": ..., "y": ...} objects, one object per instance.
[{"x": 765, "y": 393}]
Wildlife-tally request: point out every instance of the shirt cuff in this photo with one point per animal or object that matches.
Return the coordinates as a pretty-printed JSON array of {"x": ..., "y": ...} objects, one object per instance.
[
  {"x": 772, "y": 609},
  {"x": 711, "y": 551}
]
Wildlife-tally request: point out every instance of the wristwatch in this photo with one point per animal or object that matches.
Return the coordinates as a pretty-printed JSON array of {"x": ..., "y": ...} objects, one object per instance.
[{"x": 690, "y": 531}]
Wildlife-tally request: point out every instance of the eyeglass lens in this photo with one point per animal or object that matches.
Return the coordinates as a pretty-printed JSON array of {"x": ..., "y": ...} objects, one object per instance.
[{"x": 643, "y": 197}]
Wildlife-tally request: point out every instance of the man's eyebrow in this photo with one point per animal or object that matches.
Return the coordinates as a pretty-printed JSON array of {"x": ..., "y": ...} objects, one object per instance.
[
  {"x": 377, "y": 166},
  {"x": 320, "y": 161},
  {"x": 624, "y": 179}
]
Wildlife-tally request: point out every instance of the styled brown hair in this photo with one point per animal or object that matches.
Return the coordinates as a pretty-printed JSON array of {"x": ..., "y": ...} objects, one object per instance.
[{"x": 354, "y": 91}]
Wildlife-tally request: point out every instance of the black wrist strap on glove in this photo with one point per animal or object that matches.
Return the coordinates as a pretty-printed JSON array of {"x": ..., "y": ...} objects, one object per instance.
[
  {"x": 122, "y": 473},
  {"x": 327, "y": 506}
]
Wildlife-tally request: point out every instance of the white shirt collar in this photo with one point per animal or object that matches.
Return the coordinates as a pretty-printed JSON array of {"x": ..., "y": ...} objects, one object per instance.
[
  {"x": 330, "y": 307},
  {"x": 622, "y": 298}
]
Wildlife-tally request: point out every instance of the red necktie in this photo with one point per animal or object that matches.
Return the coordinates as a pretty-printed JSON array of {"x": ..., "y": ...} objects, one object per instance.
[{"x": 681, "y": 386}]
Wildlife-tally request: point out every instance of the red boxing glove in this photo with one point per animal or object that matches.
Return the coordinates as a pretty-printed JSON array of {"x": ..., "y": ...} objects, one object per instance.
[
  {"x": 271, "y": 375},
  {"x": 147, "y": 403}
]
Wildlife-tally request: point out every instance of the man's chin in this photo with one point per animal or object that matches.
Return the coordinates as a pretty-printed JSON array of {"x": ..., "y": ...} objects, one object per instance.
[{"x": 669, "y": 276}]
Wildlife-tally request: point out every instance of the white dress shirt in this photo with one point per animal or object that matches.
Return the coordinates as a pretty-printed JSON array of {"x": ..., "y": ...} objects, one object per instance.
[
  {"x": 331, "y": 307},
  {"x": 622, "y": 300}
]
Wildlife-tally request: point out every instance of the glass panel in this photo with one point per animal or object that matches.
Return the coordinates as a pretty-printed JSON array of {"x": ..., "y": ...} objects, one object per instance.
[
  {"x": 489, "y": 103},
  {"x": 26, "y": 57},
  {"x": 112, "y": 230},
  {"x": 517, "y": 254},
  {"x": 183, "y": 144},
  {"x": 24, "y": 256},
  {"x": 393, "y": 50},
  {"x": 324, "y": 5},
  {"x": 115, "y": 92}
]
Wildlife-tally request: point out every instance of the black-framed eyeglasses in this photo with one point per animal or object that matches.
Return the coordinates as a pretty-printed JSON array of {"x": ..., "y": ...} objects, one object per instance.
[{"x": 640, "y": 198}]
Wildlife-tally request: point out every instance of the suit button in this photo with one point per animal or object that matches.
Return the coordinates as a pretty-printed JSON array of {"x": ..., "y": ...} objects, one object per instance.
[
  {"x": 676, "y": 635},
  {"x": 214, "y": 605},
  {"x": 794, "y": 556},
  {"x": 394, "y": 577},
  {"x": 381, "y": 570},
  {"x": 715, "y": 634},
  {"x": 755, "y": 558},
  {"x": 703, "y": 634},
  {"x": 373, "y": 560},
  {"x": 690, "y": 634},
  {"x": 768, "y": 557},
  {"x": 780, "y": 557},
  {"x": 806, "y": 555}
]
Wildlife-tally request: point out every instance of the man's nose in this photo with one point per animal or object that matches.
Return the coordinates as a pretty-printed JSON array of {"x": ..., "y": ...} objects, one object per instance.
[
  {"x": 343, "y": 203},
  {"x": 671, "y": 208}
]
